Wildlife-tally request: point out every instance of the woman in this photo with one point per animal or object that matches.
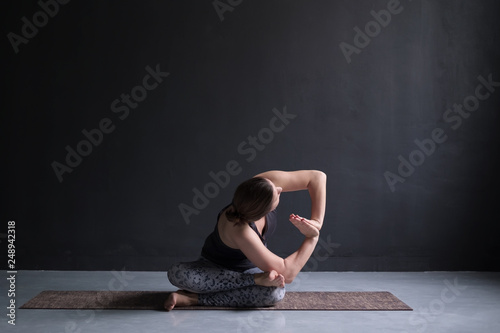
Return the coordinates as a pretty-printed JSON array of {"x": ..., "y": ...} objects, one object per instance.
[{"x": 236, "y": 268}]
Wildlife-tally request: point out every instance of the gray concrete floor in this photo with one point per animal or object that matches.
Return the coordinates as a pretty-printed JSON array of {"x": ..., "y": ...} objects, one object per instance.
[{"x": 442, "y": 302}]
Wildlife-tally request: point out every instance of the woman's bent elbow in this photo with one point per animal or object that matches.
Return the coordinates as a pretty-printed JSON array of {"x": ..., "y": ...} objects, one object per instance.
[
  {"x": 289, "y": 279},
  {"x": 321, "y": 175}
]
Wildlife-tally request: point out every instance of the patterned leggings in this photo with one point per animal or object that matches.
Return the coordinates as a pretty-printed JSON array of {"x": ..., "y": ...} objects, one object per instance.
[{"x": 218, "y": 286}]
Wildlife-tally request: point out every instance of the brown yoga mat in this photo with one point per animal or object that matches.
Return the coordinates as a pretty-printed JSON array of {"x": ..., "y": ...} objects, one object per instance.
[{"x": 153, "y": 300}]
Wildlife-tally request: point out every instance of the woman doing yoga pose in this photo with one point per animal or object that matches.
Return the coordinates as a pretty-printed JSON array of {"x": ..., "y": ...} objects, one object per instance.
[{"x": 236, "y": 268}]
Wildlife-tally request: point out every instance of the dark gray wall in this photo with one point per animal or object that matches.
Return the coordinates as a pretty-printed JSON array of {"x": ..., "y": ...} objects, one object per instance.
[{"x": 351, "y": 116}]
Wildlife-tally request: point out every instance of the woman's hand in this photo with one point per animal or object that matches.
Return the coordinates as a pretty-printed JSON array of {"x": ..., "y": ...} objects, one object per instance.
[{"x": 305, "y": 226}]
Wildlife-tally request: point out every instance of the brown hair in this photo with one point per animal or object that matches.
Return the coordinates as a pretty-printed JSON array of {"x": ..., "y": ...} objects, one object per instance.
[{"x": 252, "y": 199}]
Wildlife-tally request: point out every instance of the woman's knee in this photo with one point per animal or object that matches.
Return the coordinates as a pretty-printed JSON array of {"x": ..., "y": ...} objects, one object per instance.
[
  {"x": 184, "y": 277},
  {"x": 278, "y": 294},
  {"x": 274, "y": 296},
  {"x": 172, "y": 273},
  {"x": 178, "y": 274}
]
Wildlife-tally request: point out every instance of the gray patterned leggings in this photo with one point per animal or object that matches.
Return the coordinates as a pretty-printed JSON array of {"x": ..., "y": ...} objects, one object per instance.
[{"x": 218, "y": 286}]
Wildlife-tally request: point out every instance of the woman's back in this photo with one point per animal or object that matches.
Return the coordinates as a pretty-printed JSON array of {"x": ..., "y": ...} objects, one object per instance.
[{"x": 220, "y": 248}]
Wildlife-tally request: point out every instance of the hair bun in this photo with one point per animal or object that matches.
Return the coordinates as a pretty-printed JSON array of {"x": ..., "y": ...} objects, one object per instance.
[{"x": 233, "y": 215}]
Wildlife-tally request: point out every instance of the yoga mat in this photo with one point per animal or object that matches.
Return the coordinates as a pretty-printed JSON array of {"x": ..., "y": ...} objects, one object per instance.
[{"x": 153, "y": 300}]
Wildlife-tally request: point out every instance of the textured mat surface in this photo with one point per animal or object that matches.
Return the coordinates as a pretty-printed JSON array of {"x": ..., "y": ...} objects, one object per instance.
[{"x": 153, "y": 300}]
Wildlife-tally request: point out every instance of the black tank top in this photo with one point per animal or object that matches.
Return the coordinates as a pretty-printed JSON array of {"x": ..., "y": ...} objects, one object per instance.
[{"x": 218, "y": 252}]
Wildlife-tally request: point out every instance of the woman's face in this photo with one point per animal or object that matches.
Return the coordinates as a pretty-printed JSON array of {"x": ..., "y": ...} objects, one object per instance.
[{"x": 276, "y": 195}]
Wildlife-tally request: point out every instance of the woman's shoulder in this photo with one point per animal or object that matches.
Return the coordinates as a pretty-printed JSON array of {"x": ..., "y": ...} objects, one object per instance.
[{"x": 230, "y": 231}]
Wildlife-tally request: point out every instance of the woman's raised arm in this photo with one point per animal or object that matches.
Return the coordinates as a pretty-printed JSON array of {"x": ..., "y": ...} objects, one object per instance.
[{"x": 312, "y": 180}]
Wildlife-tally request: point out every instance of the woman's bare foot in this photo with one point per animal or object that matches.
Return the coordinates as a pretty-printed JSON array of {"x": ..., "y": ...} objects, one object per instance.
[
  {"x": 269, "y": 279},
  {"x": 180, "y": 298}
]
